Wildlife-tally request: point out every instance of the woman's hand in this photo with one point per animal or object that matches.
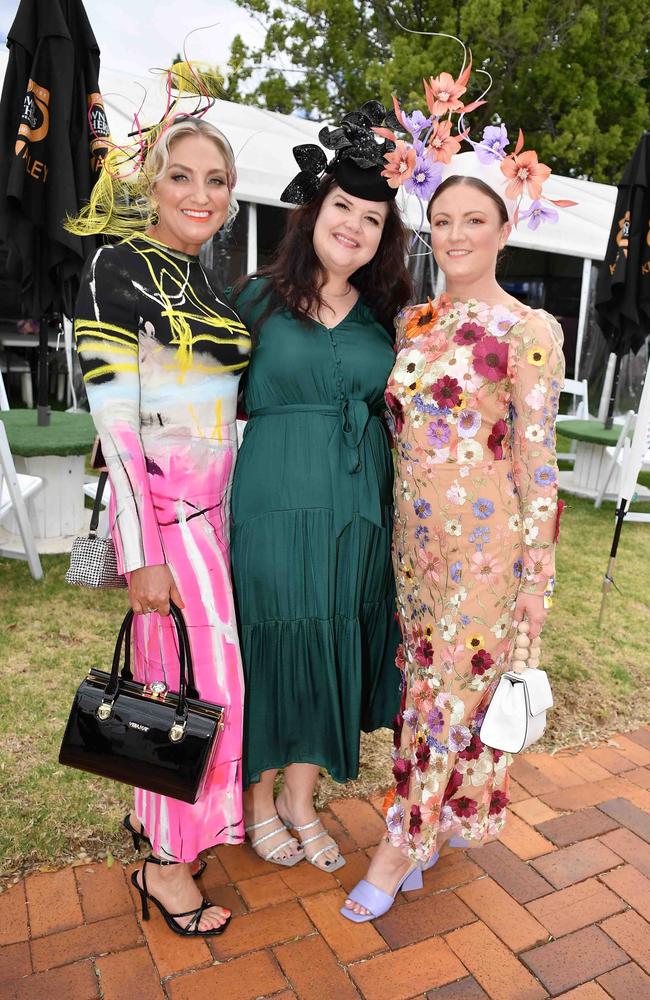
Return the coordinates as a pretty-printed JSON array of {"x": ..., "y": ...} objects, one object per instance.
[
  {"x": 150, "y": 589},
  {"x": 530, "y": 607}
]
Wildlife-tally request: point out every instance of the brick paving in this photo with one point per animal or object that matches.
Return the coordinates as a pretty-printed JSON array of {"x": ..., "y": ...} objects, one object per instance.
[{"x": 560, "y": 907}]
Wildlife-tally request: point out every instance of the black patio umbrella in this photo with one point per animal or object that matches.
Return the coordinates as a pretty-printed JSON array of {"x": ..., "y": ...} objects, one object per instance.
[
  {"x": 623, "y": 289},
  {"x": 53, "y": 133}
]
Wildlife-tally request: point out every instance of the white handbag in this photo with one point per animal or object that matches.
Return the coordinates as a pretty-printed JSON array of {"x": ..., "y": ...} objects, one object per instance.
[{"x": 516, "y": 715}]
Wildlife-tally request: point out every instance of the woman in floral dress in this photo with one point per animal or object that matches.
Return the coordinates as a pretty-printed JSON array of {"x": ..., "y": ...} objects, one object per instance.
[{"x": 473, "y": 396}]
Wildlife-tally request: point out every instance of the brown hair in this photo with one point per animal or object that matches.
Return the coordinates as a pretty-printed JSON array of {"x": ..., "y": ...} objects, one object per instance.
[
  {"x": 476, "y": 183},
  {"x": 296, "y": 272}
]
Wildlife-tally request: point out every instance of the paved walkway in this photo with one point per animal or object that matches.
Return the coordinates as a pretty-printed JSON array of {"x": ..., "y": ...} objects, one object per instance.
[{"x": 560, "y": 907}]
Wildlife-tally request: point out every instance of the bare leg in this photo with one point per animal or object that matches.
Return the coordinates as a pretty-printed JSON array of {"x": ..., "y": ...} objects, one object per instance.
[
  {"x": 175, "y": 888},
  {"x": 137, "y": 825},
  {"x": 388, "y": 866},
  {"x": 296, "y": 806},
  {"x": 260, "y": 806}
]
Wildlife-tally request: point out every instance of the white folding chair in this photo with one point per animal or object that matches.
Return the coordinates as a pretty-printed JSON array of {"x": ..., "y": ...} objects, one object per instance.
[
  {"x": 579, "y": 409},
  {"x": 615, "y": 454},
  {"x": 4, "y": 402},
  {"x": 623, "y": 459},
  {"x": 15, "y": 489}
]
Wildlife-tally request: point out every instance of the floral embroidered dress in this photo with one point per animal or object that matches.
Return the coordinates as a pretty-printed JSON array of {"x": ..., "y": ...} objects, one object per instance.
[
  {"x": 162, "y": 353},
  {"x": 473, "y": 398}
]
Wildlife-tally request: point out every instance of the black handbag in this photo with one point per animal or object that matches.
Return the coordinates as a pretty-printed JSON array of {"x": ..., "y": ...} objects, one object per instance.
[{"x": 143, "y": 735}]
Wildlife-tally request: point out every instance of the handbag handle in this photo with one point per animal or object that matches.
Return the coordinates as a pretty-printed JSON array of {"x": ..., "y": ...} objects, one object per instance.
[
  {"x": 97, "y": 505},
  {"x": 187, "y": 686}
]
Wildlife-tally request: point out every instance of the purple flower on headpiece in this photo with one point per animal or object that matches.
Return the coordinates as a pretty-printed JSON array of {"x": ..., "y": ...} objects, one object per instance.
[
  {"x": 415, "y": 123},
  {"x": 426, "y": 176},
  {"x": 538, "y": 213},
  {"x": 492, "y": 147}
]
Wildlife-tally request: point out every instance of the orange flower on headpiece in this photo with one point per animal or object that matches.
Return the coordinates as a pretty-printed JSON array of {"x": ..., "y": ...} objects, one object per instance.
[
  {"x": 443, "y": 93},
  {"x": 400, "y": 164},
  {"x": 525, "y": 171},
  {"x": 442, "y": 145}
]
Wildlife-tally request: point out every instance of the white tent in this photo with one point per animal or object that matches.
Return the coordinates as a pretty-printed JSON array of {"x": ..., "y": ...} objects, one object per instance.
[{"x": 263, "y": 143}]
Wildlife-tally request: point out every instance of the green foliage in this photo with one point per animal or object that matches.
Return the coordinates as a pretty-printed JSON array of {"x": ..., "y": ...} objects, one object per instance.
[{"x": 573, "y": 76}]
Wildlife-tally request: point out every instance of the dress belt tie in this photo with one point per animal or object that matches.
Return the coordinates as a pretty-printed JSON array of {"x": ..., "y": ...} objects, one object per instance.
[{"x": 349, "y": 496}]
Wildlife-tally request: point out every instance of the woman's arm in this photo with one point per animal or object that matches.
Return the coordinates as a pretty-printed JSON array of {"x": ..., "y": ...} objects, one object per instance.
[
  {"x": 106, "y": 330},
  {"x": 536, "y": 365}
]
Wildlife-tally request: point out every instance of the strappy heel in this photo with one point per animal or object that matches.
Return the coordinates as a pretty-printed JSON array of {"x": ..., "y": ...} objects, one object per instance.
[
  {"x": 378, "y": 902},
  {"x": 328, "y": 866},
  {"x": 140, "y": 837},
  {"x": 289, "y": 862},
  {"x": 191, "y": 929}
]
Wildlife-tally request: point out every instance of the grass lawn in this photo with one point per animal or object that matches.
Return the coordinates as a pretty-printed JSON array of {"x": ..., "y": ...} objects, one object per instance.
[{"x": 52, "y": 633}]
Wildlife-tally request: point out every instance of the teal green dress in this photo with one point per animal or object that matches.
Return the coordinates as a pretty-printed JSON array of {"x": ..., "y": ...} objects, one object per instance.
[{"x": 310, "y": 544}]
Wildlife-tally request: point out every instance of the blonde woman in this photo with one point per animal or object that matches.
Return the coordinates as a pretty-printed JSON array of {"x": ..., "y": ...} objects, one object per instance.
[{"x": 162, "y": 353}]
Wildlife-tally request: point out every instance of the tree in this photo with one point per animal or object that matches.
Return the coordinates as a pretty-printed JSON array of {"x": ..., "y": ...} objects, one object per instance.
[{"x": 573, "y": 76}]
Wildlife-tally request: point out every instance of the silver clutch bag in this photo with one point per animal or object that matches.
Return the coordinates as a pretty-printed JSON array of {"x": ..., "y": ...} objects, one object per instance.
[{"x": 92, "y": 559}]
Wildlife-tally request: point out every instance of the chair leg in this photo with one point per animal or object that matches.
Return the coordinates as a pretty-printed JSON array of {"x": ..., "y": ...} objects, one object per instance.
[{"x": 21, "y": 513}]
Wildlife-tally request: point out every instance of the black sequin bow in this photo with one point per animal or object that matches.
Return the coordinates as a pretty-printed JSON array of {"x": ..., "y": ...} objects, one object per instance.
[{"x": 352, "y": 140}]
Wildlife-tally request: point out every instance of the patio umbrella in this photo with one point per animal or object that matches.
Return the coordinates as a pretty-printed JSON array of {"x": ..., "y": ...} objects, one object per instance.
[
  {"x": 53, "y": 133},
  {"x": 623, "y": 289},
  {"x": 632, "y": 460}
]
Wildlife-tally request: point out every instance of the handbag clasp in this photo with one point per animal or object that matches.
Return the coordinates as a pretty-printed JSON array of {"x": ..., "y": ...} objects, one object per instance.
[
  {"x": 104, "y": 711},
  {"x": 177, "y": 731}
]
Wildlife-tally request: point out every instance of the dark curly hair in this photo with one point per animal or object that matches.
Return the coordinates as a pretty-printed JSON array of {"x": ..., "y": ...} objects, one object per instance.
[{"x": 296, "y": 273}]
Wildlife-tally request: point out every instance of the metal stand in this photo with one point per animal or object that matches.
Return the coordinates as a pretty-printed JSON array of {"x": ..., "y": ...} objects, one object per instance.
[{"x": 43, "y": 414}]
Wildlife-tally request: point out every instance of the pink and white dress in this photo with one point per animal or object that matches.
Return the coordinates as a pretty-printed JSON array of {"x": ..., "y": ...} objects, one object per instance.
[{"x": 162, "y": 353}]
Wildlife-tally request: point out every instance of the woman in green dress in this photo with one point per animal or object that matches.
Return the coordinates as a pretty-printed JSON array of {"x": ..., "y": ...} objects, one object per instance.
[{"x": 312, "y": 505}]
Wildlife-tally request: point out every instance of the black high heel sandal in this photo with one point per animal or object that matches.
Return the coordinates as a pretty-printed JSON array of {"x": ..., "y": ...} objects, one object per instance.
[
  {"x": 139, "y": 836},
  {"x": 192, "y": 927}
]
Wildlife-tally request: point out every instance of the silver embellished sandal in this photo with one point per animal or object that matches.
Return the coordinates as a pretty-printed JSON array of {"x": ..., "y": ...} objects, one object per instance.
[
  {"x": 327, "y": 866},
  {"x": 289, "y": 862}
]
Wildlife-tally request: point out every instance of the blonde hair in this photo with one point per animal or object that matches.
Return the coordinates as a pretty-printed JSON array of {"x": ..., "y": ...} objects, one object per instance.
[{"x": 122, "y": 201}]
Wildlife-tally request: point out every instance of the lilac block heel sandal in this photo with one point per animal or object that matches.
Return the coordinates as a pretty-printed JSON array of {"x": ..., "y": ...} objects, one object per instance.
[{"x": 379, "y": 902}]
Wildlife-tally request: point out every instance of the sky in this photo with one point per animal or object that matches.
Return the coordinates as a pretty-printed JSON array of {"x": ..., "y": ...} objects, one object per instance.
[{"x": 135, "y": 35}]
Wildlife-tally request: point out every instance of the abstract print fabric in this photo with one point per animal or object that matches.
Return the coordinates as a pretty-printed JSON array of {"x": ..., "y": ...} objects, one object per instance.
[
  {"x": 162, "y": 353},
  {"x": 473, "y": 398}
]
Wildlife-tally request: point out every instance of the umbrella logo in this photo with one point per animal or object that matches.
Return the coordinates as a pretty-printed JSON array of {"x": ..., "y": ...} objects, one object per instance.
[
  {"x": 98, "y": 124},
  {"x": 623, "y": 234},
  {"x": 35, "y": 117}
]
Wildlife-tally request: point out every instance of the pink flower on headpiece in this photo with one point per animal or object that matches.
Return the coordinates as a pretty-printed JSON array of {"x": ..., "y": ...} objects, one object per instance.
[
  {"x": 526, "y": 173},
  {"x": 442, "y": 144},
  {"x": 443, "y": 93},
  {"x": 400, "y": 164}
]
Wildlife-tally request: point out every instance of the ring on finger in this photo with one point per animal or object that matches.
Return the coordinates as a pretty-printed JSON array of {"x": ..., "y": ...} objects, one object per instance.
[{"x": 150, "y": 611}]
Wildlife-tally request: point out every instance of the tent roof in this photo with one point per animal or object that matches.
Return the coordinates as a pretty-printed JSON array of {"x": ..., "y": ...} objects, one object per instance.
[{"x": 263, "y": 142}]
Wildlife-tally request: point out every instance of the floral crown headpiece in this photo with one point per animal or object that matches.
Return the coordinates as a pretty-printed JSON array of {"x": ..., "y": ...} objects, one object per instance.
[
  {"x": 433, "y": 153},
  {"x": 358, "y": 161}
]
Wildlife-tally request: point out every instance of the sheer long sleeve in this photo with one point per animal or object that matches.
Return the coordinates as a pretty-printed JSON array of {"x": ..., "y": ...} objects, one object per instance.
[
  {"x": 536, "y": 365},
  {"x": 106, "y": 330}
]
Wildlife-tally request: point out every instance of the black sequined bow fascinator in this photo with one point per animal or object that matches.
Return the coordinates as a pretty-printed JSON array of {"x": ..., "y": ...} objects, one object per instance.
[{"x": 358, "y": 158}]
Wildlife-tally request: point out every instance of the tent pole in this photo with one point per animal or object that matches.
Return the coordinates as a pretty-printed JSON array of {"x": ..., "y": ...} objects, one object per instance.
[
  {"x": 251, "y": 248},
  {"x": 582, "y": 313},
  {"x": 43, "y": 412}
]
